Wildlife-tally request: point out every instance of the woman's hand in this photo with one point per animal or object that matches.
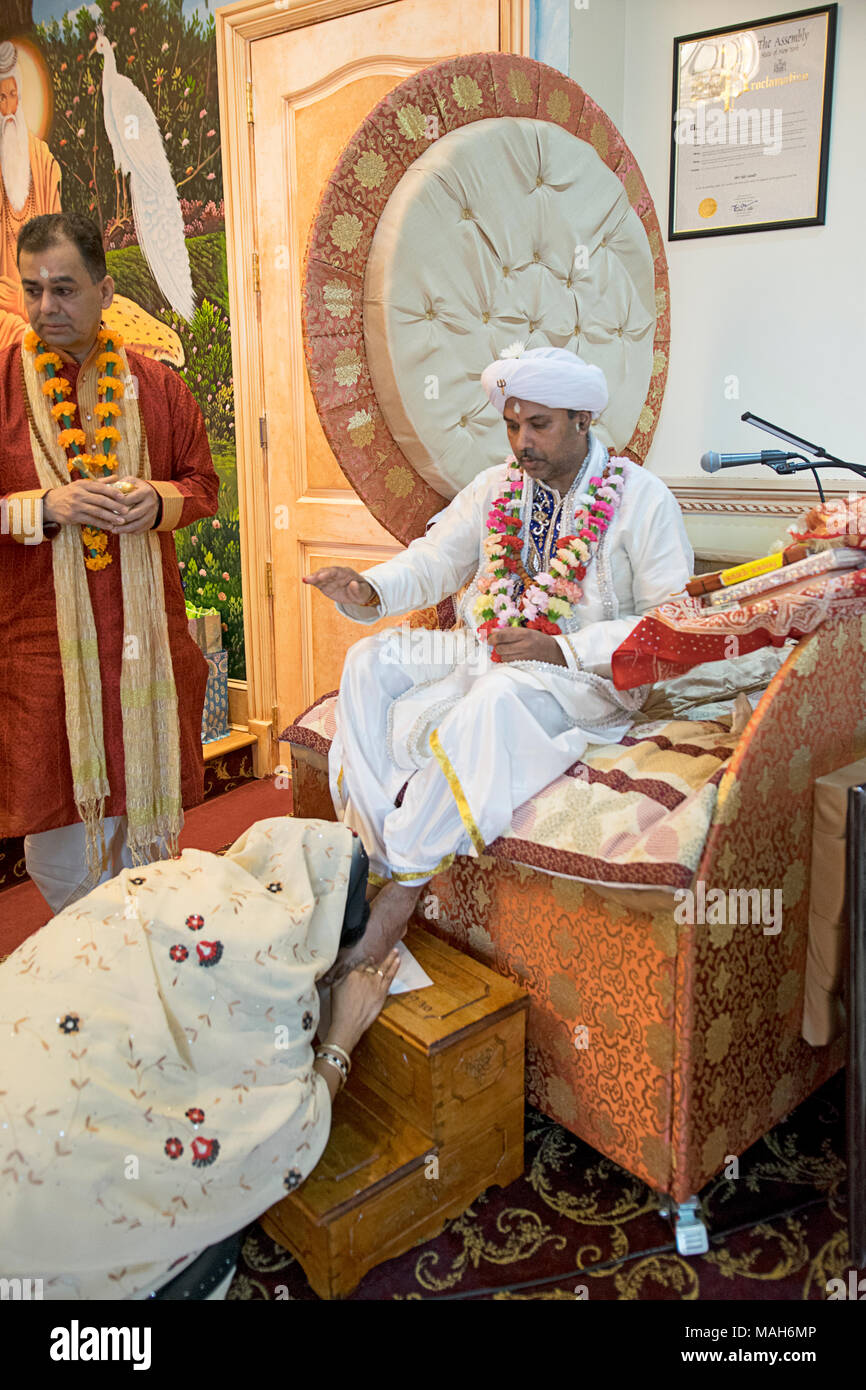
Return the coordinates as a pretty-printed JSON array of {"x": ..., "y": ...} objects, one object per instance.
[{"x": 357, "y": 1000}]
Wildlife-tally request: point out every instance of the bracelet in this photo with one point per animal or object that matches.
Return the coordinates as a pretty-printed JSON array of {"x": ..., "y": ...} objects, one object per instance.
[
  {"x": 336, "y": 1062},
  {"x": 332, "y": 1057},
  {"x": 341, "y": 1052}
]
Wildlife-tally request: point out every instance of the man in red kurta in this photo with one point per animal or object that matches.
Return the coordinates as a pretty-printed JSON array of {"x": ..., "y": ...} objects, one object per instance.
[{"x": 65, "y": 294}]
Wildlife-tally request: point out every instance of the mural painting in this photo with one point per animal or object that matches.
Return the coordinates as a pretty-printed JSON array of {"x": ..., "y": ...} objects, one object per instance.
[{"x": 110, "y": 109}]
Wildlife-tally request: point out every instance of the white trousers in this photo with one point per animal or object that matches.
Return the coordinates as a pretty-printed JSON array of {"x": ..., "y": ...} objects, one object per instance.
[
  {"x": 468, "y": 760},
  {"x": 56, "y": 860}
]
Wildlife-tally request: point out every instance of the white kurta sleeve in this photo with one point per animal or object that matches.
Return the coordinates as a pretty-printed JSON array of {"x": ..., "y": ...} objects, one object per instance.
[
  {"x": 661, "y": 558},
  {"x": 434, "y": 566}
]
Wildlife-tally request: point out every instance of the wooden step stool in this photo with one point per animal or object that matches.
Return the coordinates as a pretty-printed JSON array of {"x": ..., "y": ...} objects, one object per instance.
[{"x": 432, "y": 1115}]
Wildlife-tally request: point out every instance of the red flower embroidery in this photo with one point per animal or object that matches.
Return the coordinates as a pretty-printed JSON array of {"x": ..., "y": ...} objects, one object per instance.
[
  {"x": 195, "y": 921},
  {"x": 195, "y": 1116},
  {"x": 542, "y": 624},
  {"x": 205, "y": 1151},
  {"x": 178, "y": 953},
  {"x": 209, "y": 952},
  {"x": 173, "y": 1147}
]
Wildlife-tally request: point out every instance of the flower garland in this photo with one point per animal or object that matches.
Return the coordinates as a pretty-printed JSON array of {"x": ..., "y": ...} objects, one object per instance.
[
  {"x": 101, "y": 462},
  {"x": 547, "y": 600}
]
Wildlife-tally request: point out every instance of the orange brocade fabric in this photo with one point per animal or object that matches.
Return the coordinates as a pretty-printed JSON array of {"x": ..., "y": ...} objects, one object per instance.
[
  {"x": 35, "y": 774},
  {"x": 670, "y": 1045}
]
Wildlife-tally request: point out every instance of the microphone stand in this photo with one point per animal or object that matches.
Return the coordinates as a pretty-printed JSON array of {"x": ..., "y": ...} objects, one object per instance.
[{"x": 815, "y": 450}]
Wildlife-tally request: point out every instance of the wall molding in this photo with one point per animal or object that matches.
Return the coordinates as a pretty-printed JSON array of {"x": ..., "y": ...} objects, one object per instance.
[{"x": 749, "y": 499}]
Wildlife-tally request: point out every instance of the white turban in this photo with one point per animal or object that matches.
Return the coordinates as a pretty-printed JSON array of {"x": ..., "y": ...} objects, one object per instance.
[
  {"x": 549, "y": 376},
  {"x": 9, "y": 63}
]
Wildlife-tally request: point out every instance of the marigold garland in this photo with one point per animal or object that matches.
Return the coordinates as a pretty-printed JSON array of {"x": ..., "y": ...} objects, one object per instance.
[
  {"x": 101, "y": 461},
  {"x": 548, "y": 600}
]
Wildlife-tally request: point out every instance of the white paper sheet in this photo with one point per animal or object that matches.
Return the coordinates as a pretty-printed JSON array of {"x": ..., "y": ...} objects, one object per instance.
[{"x": 409, "y": 974}]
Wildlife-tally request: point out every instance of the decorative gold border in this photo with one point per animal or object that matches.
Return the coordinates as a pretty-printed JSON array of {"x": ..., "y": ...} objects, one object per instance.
[
  {"x": 457, "y": 792},
  {"x": 172, "y": 504}
]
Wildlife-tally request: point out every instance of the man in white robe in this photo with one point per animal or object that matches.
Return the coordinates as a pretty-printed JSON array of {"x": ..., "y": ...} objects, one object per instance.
[{"x": 465, "y": 739}]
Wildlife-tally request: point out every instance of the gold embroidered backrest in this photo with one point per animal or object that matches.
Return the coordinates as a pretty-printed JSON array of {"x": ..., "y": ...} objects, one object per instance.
[{"x": 485, "y": 200}]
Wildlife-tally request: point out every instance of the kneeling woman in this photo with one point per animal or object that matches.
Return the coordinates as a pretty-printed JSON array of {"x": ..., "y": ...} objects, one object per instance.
[{"x": 159, "y": 1083}]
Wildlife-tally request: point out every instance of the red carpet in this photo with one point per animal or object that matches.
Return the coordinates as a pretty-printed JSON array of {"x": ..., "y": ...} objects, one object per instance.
[{"x": 214, "y": 826}]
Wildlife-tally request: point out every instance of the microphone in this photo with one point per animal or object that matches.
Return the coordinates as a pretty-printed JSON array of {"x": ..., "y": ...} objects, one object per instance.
[{"x": 711, "y": 462}]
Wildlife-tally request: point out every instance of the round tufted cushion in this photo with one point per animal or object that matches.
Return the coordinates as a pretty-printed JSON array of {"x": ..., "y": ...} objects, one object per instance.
[
  {"x": 390, "y": 325},
  {"x": 502, "y": 230}
]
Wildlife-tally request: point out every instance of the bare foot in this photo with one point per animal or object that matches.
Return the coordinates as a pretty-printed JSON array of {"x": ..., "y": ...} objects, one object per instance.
[{"x": 389, "y": 917}]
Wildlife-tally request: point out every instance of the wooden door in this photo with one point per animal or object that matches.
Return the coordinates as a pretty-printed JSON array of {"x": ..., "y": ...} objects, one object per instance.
[{"x": 310, "y": 84}]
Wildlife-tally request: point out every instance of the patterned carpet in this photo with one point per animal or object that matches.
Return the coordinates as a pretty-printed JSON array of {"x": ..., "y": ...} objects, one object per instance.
[{"x": 576, "y": 1225}]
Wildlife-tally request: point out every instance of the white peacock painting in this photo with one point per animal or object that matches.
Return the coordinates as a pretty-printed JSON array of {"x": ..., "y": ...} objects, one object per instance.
[{"x": 138, "y": 150}]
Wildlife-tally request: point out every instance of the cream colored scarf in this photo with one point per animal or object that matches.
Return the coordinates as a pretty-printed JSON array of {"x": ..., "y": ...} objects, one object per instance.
[
  {"x": 148, "y": 698},
  {"x": 190, "y": 1034}
]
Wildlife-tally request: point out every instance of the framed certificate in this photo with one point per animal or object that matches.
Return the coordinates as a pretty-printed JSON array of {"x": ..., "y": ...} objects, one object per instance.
[{"x": 751, "y": 125}]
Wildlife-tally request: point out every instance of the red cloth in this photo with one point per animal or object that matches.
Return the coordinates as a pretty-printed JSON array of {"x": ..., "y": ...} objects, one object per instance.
[
  {"x": 35, "y": 772},
  {"x": 682, "y": 634}
]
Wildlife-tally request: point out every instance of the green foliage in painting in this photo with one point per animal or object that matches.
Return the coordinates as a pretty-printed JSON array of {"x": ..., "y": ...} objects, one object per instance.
[
  {"x": 207, "y": 262},
  {"x": 207, "y": 346},
  {"x": 171, "y": 58},
  {"x": 209, "y": 556}
]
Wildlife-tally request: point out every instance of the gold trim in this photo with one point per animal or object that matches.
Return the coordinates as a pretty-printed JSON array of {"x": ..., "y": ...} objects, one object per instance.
[
  {"x": 443, "y": 864},
  {"x": 456, "y": 791},
  {"x": 172, "y": 504},
  {"x": 376, "y": 879}
]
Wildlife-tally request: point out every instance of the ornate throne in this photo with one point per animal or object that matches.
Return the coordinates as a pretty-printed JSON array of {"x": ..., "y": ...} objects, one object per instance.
[{"x": 487, "y": 199}]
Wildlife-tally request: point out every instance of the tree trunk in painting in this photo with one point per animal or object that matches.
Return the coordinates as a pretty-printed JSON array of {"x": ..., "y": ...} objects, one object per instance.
[{"x": 16, "y": 18}]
